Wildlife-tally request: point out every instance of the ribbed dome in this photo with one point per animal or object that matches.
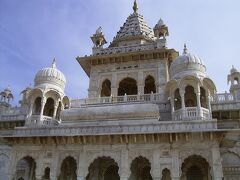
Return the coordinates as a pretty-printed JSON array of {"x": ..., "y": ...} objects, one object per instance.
[
  {"x": 187, "y": 64},
  {"x": 50, "y": 75}
]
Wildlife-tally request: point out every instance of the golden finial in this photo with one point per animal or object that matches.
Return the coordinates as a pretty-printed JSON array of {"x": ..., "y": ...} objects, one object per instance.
[{"x": 135, "y": 6}]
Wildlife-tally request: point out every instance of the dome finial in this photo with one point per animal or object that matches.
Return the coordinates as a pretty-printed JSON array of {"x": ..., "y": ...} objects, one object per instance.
[
  {"x": 54, "y": 63},
  {"x": 135, "y": 6},
  {"x": 185, "y": 50}
]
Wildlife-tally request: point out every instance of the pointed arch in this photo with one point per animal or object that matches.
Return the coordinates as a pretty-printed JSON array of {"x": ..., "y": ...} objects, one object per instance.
[
  {"x": 106, "y": 88},
  {"x": 37, "y": 106},
  {"x": 195, "y": 168},
  {"x": 49, "y": 107},
  {"x": 104, "y": 168},
  {"x": 140, "y": 169},
  {"x": 190, "y": 96},
  {"x": 68, "y": 169},
  {"x": 149, "y": 86},
  {"x": 127, "y": 86}
]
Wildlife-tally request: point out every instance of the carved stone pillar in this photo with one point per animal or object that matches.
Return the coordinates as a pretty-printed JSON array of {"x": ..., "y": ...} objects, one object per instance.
[
  {"x": 43, "y": 102},
  {"x": 114, "y": 91},
  {"x": 140, "y": 89},
  {"x": 54, "y": 167},
  {"x": 217, "y": 173},
  {"x": 182, "y": 94},
  {"x": 82, "y": 168},
  {"x": 209, "y": 106},
  {"x": 124, "y": 166},
  {"x": 55, "y": 109},
  {"x": 156, "y": 174},
  {"x": 175, "y": 165},
  {"x": 31, "y": 108}
]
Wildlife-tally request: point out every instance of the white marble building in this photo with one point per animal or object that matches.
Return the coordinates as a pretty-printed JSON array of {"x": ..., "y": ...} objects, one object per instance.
[{"x": 150, "y": 114}]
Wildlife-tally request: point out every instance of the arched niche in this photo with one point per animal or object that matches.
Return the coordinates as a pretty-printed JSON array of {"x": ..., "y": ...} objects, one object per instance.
[
  {"x": 127, "y": 86},
  {"x": 68, "y": 169},
  {"x": 140, "y": 169},
  {"x": 104, "y": 168},
  {"x": 166, "y": 174},
  {"x": 106, "y": 88},
  {"x": 149, "y": 86},
  {"x": 46, "y": 174},
  {"x": 49, "y": 107}
]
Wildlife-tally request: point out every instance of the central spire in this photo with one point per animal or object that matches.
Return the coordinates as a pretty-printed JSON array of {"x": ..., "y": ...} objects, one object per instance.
[{"x": 135, "y": 6}]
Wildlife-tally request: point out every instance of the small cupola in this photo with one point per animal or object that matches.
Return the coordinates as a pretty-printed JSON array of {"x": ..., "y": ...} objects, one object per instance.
[{"x": 187, "y": 64}]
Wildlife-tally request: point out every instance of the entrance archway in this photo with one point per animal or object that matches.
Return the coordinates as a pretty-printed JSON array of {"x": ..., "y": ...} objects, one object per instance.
[
  {"x": 68, "y": 169},
  {"x": 140, "y": 169},
  {"x": 26, "y": 168},
  {"x": 195, "y": 168},
  {"x": 103, "y": 168},
  {"x": 127, "y": 86}
]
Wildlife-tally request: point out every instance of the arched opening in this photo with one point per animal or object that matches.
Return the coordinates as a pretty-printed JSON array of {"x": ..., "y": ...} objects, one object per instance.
[
  {"x": 104, "y": 168},
  {"x": 37, "y": 106},
  {"x": 190, "y": 97},
  {"x": 46, "y": 174},
  {"x": 236, "y": 81},
  {"x": 49, "y": 107},
  {"x": 59, "y": 110},
  {"x": 127, "y": 86},
  {"x": 106, "y": 88},
  {"x": 177, "y": 100},
  {"x": 140, "y": 169},
  {"x": 203, "y": 97},
  {"x": 68, "y": 169},
  {"x": 150, "y": 86},
  {"x": 195, "y": 168},
  {"x": 26, "y": 168},
  {"x": 166, "y": 175}
]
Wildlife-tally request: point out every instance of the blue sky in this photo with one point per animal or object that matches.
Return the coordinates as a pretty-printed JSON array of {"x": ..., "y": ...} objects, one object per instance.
[{"x": 33, "y": 32}]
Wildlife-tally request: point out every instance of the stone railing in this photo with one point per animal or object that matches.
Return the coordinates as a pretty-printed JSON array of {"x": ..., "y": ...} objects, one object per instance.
[
  {"x": 123, "y": 49},
  {"x": 36, "y": 120},
  {"x": 77, "y": 103},
  {"x": 191, "y": 113},
  {"x": 158, "y": 127},
  {"x": 13, "y": 114},
  {"x": 223, "y": 97}
]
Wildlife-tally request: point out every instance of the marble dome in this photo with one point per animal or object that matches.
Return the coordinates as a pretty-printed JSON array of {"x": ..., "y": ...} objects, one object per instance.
[
  {"x": 50, "y": 76},
  {"x": 187, "y": 64}
]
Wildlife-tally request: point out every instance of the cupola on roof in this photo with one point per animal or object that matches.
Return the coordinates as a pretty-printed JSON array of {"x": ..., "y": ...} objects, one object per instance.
[
  {"x": 187, "y": 64},
  {"x": 50, "y": 76},
  {"x": 233, "y": 70},
  {"x": 134, "y": 31}
]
